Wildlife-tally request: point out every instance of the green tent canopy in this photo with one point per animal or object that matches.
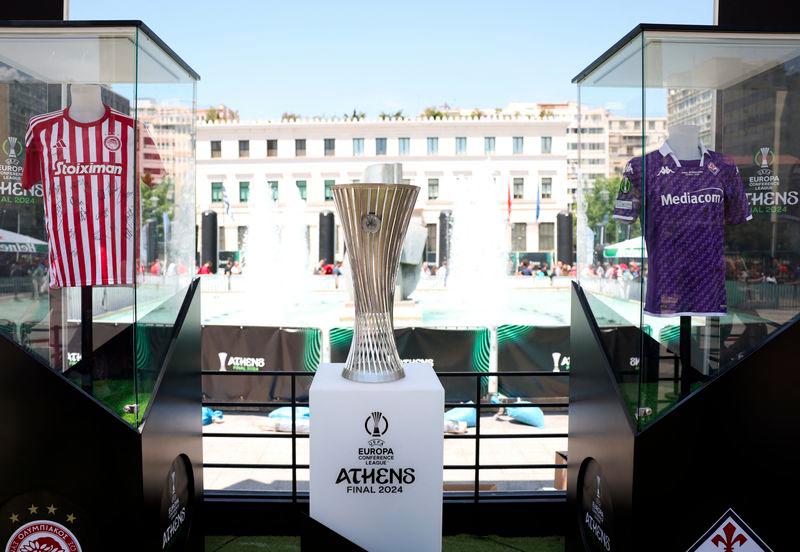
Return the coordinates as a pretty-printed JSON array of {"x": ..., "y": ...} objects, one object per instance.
[
  {"x": 633, "y": 248},
  {"x": 11, "y": 242}
]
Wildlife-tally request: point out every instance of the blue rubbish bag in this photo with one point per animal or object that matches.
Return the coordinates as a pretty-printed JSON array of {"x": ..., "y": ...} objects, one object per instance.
[
  {"x": 210, "y": 416},
  {"x": 530, "y": 415},
  {"x": 300, "y": 412},
  {"x": 462, "y": 414}
]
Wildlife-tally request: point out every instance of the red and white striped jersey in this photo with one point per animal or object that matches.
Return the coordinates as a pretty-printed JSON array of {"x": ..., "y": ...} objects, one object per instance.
[{"x": 91, "y": 196}]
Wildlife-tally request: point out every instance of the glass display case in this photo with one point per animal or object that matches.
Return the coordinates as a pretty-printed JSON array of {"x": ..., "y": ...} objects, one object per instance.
[
  {"x": 97, "y": 232},
  {"x": 688, "y": 246}
]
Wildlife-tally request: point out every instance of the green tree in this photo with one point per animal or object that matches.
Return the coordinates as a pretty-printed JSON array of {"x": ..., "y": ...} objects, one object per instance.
[
  {"x": 212, "y": 115},
  {"x": 433, "y": 113},
  {"x": 599, "y": 200},
  {"x": 286, "y": 116},
  {"x": 157, "y": 199},
  {"x": 477, "y": 114}
]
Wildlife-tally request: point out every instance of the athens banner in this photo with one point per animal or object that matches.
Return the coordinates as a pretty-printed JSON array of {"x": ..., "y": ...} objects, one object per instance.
[
  {"x": 464, "y": 350},
  {"x": 532, "y": 348},
  {"x": 246, "y": 350}
]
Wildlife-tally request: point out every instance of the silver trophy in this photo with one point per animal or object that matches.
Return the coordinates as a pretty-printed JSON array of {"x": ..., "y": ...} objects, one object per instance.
[{"x": 375, "y": 219}]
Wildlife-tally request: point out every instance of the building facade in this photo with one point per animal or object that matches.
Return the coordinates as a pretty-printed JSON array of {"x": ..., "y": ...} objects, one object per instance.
[{"x": 523, "y": 157}]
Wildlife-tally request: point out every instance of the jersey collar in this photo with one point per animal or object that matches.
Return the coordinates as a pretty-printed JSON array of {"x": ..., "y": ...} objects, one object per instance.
[{"x": 666, "y": 151}]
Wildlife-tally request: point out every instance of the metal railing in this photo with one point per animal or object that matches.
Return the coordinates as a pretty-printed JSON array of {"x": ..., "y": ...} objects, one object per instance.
[{"x": 475, "y": 495}]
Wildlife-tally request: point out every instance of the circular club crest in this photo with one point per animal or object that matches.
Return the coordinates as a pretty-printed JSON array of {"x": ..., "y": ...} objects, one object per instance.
[
  {"x": 43, "y": 536},
  {"x": 370, "y": 223},
  {"x": 112, "y": 143}
]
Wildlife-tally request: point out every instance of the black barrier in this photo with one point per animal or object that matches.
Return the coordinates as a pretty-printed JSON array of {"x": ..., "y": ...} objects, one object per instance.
[
  {"x": 531, "y": 348},
  {"x": 257, "y": 349},
  {"x": 464, "y": 350}
]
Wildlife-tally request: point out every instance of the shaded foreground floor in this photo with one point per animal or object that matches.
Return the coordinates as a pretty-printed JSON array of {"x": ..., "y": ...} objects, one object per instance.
[{"x": 458, "y": 543}]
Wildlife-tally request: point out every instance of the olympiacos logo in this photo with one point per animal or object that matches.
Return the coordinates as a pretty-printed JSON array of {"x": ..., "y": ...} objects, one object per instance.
[
  {"x": 112, "y": 142},
  {"x": 43, "y": 536}
]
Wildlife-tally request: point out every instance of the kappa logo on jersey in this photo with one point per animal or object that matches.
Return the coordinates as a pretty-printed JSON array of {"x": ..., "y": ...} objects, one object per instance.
[
  {"x": 664, "y": 171},
  {"x": 628, "y": 169},
  {"x": 112, "y": 142},
  {"x": 713, "y": 168},
  {"x": 730, "y": 533}
]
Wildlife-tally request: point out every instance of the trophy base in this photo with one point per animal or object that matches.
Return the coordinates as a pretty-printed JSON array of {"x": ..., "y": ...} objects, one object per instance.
[
  {"x": 362, "y": 376},
  {"x": 382, "y": 492}
]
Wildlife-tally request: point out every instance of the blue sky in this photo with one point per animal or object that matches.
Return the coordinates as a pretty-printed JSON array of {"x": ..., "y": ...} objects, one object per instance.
[{"x": 312, "y": 57}]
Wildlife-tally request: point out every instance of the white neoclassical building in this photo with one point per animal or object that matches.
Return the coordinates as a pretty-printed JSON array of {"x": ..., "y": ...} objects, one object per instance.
[{"x": 525, "y": 155}]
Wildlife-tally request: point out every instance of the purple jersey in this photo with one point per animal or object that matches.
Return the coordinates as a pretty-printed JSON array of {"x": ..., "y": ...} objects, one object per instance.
[{"x": 687, "y": 204}]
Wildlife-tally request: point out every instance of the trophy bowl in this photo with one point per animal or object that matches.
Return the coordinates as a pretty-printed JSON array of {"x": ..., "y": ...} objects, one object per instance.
[{"x": 374, "y": 218}]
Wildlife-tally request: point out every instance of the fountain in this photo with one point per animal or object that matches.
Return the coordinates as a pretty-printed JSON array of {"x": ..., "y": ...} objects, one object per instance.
[
  {"x": 478, "y": 250},
  {"x": 276, "y": 248}
]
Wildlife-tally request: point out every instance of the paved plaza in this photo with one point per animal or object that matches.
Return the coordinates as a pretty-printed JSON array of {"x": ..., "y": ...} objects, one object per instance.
[{"x": 248, "y": 450}]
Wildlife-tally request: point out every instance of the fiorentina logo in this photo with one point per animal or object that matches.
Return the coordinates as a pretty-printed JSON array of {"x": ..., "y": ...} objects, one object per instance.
[
  {"x": 730, "y": 534},
  {"x": 713, "y": 168},
  {"x": 43, "y": 536},
  {"x": 112, "y": 142}
]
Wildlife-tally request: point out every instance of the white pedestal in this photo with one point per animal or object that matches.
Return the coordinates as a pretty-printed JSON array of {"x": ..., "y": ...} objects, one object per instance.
[{"x": 382, "y": 489}]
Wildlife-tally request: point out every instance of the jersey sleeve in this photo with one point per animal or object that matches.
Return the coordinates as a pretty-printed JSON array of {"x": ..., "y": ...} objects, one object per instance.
[
  {"x": 31, "y": 172},
  {"x": 737, "y": 207},
  {"x": 629, "y": 197}
]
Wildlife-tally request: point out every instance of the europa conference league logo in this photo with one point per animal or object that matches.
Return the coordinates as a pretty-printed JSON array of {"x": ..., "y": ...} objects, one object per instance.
[{"x": 367, "y": 479}]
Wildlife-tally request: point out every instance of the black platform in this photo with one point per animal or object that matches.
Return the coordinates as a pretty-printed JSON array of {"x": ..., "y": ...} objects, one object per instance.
[
  {"x": 66, "y": 458},
  {"x": 733, "y": 444}
]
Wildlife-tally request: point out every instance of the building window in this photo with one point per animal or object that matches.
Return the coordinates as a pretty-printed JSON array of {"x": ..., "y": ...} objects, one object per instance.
[
  {"x": 244, "y": 192},
  {"x": 221, "y": 239},
  {"x": 547, "y": 188},
  {"x": 303, "y": 189},
  {"x": 300, "y": 147},
  {"x": 461, "y": 145},
  {"x": 244, "y": 148},
  {"x": 329, "y": 190},
  {"x": 380, "y": 146},
  {"x": 241, "y": 232},
  {"x": 547, "y": 144},
  {"x": 433, "y": 146},
  {"x": 430, "y": 245},
  {"x": 217, "y": 192},
  {"x": 404, "y": 146},
  {"x": 518, "y": 236},
  {"x": 216, "y": 149},
  {"x": 519, "y": 187},
  {"x": 272, "y": 148},
  {"x": 547, "y": 236},
  {"x": 330, "y": 147},
  {"x": 273, "y": 186},
  {"x": 433, "y": 188},
  {"x": 488, "y": 145},
  {"x": 358, "y": 146},
  {"x": 519, "y": 144}
]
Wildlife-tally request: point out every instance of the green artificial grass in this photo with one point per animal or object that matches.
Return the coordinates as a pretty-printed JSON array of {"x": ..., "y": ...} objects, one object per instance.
[
  {"x": 457, "y": 543},
  {"x": 116, "y": 393}
]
